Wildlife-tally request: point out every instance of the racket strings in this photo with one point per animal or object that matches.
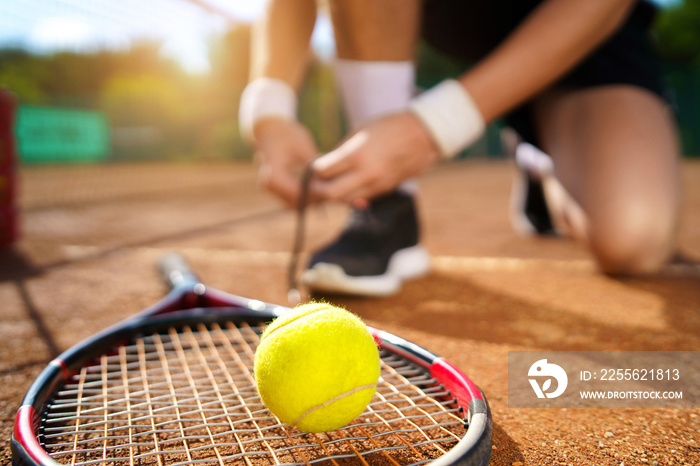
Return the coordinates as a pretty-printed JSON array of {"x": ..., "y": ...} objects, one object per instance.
[{"x": 188, "y": 396}]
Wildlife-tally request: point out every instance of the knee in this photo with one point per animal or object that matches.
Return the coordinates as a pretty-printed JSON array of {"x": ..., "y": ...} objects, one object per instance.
[{"x": 633, "y": 244}]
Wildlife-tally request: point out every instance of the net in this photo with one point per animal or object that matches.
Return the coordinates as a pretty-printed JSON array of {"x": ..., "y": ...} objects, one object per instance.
[{"x": 188, "y": 396}]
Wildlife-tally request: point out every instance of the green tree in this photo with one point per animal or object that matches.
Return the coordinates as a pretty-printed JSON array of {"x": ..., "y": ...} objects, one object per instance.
[
  {"x": 220, "y": 92},
  {"x": 678, "y": 32},
  {"x": 23, "y": 74},
  {"x": 143, "y": 99}
]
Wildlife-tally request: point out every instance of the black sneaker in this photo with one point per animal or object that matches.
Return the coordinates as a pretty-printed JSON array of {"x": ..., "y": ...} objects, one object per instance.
[
  {"x": 376, "y": 252},
  {"x": 529, "y": 211}
]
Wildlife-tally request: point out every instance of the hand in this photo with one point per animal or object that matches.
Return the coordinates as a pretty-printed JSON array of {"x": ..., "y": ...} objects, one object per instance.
[
  {"x": 283, "y": 148},
  {"x": 374, "y": 160}
]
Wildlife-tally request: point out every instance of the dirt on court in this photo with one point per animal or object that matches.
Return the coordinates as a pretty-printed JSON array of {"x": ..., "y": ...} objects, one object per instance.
[{"x": 92, "y": 234}]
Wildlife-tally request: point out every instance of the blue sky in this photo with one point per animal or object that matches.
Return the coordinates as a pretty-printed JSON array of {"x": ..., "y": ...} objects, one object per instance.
[{"x": 182, "y": 27}]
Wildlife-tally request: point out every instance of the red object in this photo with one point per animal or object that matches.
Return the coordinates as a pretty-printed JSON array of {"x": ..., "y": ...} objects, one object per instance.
[
  {"x": 26, "y": 421},
  {"x": 9, "y": 230}
]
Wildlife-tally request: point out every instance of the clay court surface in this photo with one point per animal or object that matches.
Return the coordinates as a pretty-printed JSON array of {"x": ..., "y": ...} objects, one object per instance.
[{"x": 91, "y": 236}]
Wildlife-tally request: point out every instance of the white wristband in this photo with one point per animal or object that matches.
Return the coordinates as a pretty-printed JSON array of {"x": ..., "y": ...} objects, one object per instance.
[
  {"x": 265, "y": 97},
  {"x": 451, "y": 116}
]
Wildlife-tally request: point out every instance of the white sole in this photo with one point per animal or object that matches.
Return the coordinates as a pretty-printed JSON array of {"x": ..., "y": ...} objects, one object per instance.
[
  {"x": 528, "y": 158},
  {"x": 405, "y": 264},
  {"x": 518, "y": 220}
]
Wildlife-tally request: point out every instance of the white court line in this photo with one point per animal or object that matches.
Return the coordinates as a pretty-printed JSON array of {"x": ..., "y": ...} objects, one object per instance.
[
  {"x": 504, "y": 264},
  {"x": 512, "y": 264}
]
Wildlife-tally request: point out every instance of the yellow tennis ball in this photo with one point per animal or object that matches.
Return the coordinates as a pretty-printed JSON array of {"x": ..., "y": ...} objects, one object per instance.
[{"x": 317, "y": 367}]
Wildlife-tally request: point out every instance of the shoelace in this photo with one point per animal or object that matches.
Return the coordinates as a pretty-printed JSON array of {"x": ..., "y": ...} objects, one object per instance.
[
  {"x": 293, "y": 293},
  {"x": 360, "y": 215}
]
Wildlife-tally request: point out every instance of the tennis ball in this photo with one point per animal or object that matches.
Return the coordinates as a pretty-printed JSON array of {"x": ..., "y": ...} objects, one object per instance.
[{"x": 316, "y": 367}]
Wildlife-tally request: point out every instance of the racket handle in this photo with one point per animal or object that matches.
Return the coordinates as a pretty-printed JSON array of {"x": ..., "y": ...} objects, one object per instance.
[{"x": 176, "y": 271}]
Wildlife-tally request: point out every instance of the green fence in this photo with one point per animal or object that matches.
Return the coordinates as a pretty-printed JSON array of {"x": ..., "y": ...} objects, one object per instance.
[
  {"x": 54, "y": 135},
  {"x": 685, "y": 85}
]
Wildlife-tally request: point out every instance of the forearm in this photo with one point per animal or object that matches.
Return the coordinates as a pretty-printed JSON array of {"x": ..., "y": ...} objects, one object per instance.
[
  {"x": 281, "y": 39},
  {"x": 555, "y": 37}
]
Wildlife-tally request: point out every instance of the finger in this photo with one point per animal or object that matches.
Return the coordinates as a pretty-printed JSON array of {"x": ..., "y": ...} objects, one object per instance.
[
  {"x": 346, "y": 189},
  {"x": 360, "y": 203},
  {"x": 360, "y": 199},
  {"x": 331, "y": 165},
  {"x": 337, "y": 162},
  {"x": 280, "y": 183}
]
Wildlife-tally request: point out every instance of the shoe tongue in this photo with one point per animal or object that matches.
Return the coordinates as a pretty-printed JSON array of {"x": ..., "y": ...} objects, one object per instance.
[
  {"x": 379, "y": 212},
  {"x": 361, "y": 219},
  {"x": 387, "y": 199}
]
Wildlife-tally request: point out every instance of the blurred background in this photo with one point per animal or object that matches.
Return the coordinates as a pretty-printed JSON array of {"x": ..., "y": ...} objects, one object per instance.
[
  {"x": 119, "y": 142},
  {"x": 113, "y": 80},
  {"x": 118, "y": 80}
]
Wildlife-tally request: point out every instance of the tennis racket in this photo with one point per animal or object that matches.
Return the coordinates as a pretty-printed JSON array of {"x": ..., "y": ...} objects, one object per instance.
[{"x": 174, "y": 385}]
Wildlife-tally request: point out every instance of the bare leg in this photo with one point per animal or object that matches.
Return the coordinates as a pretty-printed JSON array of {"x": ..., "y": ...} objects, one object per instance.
[
  {"x": 376, "y": 42},
  {"x": 375, "y": 73},
  {"x": 615, "y": 153},
  {"x": 376, "y": 30}
]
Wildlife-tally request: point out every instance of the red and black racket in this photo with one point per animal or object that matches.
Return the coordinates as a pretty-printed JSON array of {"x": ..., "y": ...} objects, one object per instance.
[{"x": 174, "y": 385}]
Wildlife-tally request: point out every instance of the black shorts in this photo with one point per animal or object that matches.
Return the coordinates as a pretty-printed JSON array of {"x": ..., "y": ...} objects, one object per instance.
[{"x": 467, "y": 30}]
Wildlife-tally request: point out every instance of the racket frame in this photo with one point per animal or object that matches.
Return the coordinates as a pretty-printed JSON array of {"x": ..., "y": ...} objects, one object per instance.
[{"x": 189, "y": 296}]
